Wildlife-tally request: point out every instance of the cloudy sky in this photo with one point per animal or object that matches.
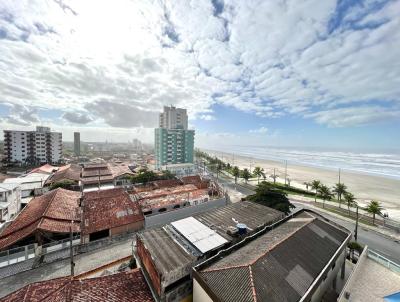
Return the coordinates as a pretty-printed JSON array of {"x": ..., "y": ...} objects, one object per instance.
[{"x": 303, "y": 73}]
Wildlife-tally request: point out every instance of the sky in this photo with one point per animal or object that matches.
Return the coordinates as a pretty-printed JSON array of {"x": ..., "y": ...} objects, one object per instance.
[{"x": 282, "y": 73}]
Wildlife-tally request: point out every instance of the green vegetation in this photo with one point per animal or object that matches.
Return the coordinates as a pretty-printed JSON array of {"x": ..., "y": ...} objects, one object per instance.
[
  {"x": 354, "y": 246},
  {"x": 325, "y": 193},
  {"x": 144, "y": 176},
  {"x": 235, "y": 173},
  {"x": 315, "y": 185},
  {"x": 258, "y": 172},
  {"x": 339, "y": 189},
  {"x": 350, "y": 200},
  {"x": 246, "y": 175},
  {"x": 270, "y": 196},
  {"x": 65, "y": 184},
  {"x": 374, "y": 207}
]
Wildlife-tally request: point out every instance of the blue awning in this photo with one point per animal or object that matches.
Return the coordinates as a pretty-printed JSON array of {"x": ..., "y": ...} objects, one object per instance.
[{"x": 393, "y": 298}]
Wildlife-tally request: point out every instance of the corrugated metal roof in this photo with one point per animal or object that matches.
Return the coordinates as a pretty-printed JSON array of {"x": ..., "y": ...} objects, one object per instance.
[
  {"x": 284, "y": 262},
  {"x": 201, "y": 236}
]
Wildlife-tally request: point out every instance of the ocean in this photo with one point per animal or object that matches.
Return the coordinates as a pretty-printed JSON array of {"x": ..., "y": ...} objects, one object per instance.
[{"x": 382, "y": 163}]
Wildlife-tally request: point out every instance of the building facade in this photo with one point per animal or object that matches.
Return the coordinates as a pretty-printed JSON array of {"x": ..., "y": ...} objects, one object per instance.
[
  {"x": 174, "y": 143},
  {"x": 77, "y": 143},
  {"x": 10, "y": 201},
  {"x": 32, "y": 147}
]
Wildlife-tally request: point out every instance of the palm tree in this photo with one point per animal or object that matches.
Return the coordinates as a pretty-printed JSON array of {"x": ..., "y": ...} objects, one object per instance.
[
  {"x": 315, "y": 185},
  {"x": 219, "y": 168},
  {"x": 350, "y": 200},
  {"x": 374, "y": 207},
  {"x": 339, "y": 189},
  {"x": 274, "y": 176},
  {"x": 325, "y": 193},
  {"x": 264, "y": 176},
  {"x": 258, "y": 172},
  {"x": 235, "y": 173},
  {"x": 246, "y": 174}
]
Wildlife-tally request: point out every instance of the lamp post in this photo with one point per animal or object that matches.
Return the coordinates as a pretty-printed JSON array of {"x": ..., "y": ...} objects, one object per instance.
[{"x": 356, "y": 229}]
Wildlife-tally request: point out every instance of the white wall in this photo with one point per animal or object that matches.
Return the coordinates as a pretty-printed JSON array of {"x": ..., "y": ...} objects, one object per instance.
[{"x": 199, "y": 294}]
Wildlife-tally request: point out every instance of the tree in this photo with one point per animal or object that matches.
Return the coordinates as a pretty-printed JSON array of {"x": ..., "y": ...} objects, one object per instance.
[
  {"x": 274, "y": 176},
  {"x": 350, "y": 200},
  {"x": 307, "y": 184},
  {"x": 339, "y": 189},
  {"x": 246, "y": 174},
  {"x": 354, "y": 246},
  {"x": 325, "y": 193},
  {"x": 65, "y": 184},
  {"x": 235, "y": 173},
  {"x": 258, "y": 172},
  {"x": 374, "y": 207},
  {"x": 270, "y": 196},
  {"x": 315, "y": 185}
]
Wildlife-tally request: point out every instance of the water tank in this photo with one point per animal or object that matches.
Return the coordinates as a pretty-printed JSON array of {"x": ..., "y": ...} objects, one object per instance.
[{"x": 242, "y": 228}]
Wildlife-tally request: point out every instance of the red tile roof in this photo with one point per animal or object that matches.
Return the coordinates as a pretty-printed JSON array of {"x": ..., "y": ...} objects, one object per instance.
[
  {"x": 126, "y": 286},
  {"x": 45, "y": 169},
  {"x": 67, "y": 172},
  {"x": 51, "y": 212},
  {"x": 105, "y": 209}
]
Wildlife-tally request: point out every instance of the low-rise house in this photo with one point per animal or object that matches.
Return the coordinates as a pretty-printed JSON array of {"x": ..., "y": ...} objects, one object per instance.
[
  {"x": 68, "y": 173},
  {"x": 10, "y": 201},
  {"x": 48, "y": 217},
  {"x": 167, "y": 254},
  {"x": 31, "y": 184},
  {"x": 127, "y": 286},
  {"x": 121, "y": 173},
  {"x": 297, "y": 260},
  {"x": 109, "y": 212},
  {"x": 45, "y": 169},
  {"x": 96, "y": 175}
]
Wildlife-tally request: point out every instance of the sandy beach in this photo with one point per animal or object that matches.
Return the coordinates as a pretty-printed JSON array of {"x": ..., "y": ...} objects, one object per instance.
[{"x": 365, "y": 187}]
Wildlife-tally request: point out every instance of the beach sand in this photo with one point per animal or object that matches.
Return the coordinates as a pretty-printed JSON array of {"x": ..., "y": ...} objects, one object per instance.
[{"x": 364, "y": 187}]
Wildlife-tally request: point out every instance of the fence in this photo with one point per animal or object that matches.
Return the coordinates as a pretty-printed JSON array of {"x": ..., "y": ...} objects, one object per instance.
[
  {"x": 24, "y": 258},
  {"x": 385, "y": 222},
  {"x": 384, "y": 261}
]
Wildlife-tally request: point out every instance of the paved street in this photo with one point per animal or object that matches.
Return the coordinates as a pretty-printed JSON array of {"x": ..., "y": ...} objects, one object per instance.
[
  {"x": 381, "y": 244},
  {"x": 84, "y": 262}
]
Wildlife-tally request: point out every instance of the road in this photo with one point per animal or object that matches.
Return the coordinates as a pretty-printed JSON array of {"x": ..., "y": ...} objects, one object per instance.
[{"x": 379, "y": 243}]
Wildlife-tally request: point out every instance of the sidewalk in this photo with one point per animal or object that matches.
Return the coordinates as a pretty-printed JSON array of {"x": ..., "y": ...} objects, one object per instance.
[
  {"x": 83, "y": 263},
  {"x": 378, "y": 229}
]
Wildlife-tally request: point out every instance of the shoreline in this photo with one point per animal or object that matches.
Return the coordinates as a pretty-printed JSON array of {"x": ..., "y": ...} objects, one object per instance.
[{"x": 364, "y": 186}]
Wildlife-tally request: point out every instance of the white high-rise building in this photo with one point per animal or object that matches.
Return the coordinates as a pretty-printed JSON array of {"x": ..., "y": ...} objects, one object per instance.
[
  {"x": 33, "y": 147},
  {"x": 174, "y": 118}
]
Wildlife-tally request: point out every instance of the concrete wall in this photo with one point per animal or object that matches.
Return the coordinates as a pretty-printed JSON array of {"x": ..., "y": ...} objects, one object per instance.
[
  {"x": 328, "y": 282},
  {"x": 132, "y": 227},
  {"x": 147, "y": 262},
  {"x": 165, "y": 218},
  {"x": 199, "y": 294}
]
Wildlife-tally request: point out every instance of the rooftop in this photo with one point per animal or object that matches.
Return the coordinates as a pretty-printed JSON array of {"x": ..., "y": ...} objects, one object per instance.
[
  {"x": 48, "y": 169},
  {"x": 5, "y": 187},
  {"x": 107, "y": 209},
  {"x": 165, "y": 191},
  {"x": 290, "y": 257},
  {"x": 172, "y": 199},
  {"x": 125, "y": 287},
  {"x": 67, "y": 172},
  {"x": 51, "y": 212}
]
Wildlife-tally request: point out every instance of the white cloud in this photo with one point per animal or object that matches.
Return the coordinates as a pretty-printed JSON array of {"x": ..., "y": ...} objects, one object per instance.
[
  {"x": 121, "y": 62},
  {"x": 207, "y": 117},
  {"x": 261, "y": 130}
]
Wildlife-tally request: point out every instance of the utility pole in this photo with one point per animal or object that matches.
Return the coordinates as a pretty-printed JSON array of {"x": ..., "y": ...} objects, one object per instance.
[
  {"x": 71, "y": 250},
  {"x": 339, "y": 175},
  {"x": 285, "y": 171},
  {"x": 356, "y": 230}
]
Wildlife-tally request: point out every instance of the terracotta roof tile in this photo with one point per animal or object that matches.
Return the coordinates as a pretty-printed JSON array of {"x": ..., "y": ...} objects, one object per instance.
[
  {"x": 51, "y": 212},
  {"x": 67, "y": 172},
  {"x": 126, "y": 286},
  {"x": 106, "y": 209}
]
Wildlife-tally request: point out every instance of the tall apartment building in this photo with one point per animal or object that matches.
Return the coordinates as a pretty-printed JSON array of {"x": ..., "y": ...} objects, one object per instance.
[
  {"x": 77, "y": 144},
  {"x": 174, "y": 143},
  {"x": 33, "y": 147}
]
